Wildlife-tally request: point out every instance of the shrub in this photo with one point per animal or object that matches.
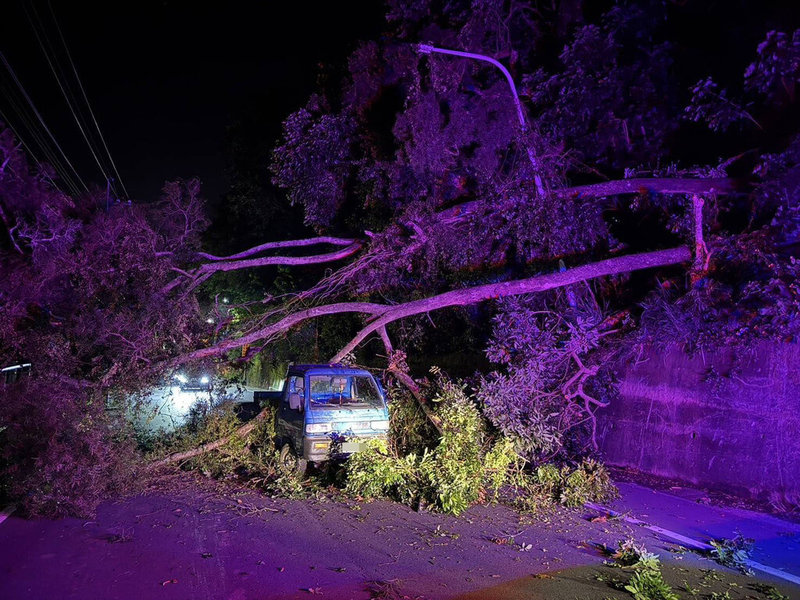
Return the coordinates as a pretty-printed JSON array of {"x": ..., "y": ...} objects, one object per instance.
[
  {"x": 647, "y": 582},
  {"x": 452, "y": 475},
  {"x": 588, "y": 482},
  {"x": 375, "y": 473},
  {"x": 61, "y": 453}
]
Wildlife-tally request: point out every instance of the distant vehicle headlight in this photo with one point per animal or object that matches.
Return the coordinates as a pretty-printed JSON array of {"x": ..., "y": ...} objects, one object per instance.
[
  {"x": 379, "y": 425},
  {"x": 204, "y": 379},
  {"x": 181, "y": 377},
  {"x": 318, "y": 428}
]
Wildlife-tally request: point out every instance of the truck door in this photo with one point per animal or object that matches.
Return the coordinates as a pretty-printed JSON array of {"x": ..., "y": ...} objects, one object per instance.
[{"x": 290, "y": 420}]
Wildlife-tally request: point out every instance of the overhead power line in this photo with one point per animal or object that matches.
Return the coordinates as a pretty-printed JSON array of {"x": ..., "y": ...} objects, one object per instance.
[
  {"x": 39, "y": 139},
  {"x": 86, "y": 99},
  {"x": 44, "y": 44},
  {"x": 27, "y": 120},
  {"x": 70, "y": 185},
  {"x": 41, "y": 119}
]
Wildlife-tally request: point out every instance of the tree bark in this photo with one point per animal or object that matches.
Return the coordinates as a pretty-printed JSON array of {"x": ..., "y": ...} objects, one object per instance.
[
  {"x": 383, "y": 314},
  {"x": 721, "y": 185},
  {"x": 245, "y": 260},
  {"x": 284, "y": 325},
  {"x": 540, "y": 283},
  {"x": 333, "y": 241},
  {"x": 701, "y": 255},
  {"x": 621, "y": 187},
  {"x": 232, "y": 265},
  {"x": 241, "y": 432}
]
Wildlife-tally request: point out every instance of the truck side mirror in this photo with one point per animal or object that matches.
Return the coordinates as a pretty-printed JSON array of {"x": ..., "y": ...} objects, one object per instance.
[{"x": 295, "y": 401}]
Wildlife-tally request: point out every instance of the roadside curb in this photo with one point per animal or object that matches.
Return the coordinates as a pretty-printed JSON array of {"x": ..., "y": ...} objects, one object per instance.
[{"x": 690, "y": 542}]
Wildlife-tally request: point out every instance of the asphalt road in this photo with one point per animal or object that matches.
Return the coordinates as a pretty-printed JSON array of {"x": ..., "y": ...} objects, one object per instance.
[{"x": 202, "y": 540}]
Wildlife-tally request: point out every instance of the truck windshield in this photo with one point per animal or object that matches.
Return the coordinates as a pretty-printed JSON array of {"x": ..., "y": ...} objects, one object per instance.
[{"x": 351, "y": 391}]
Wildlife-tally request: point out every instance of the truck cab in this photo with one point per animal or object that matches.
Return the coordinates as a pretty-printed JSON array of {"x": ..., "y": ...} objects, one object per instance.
[{"x": 328, "y": 411}]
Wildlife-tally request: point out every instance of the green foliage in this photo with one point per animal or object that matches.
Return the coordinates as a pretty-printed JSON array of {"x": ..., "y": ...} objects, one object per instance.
[
  {"x": 410, "y": 431},
  {"x": 544, "y": 394},
  {"x": 502, "y": 465},
  {"x": 61, "y": 453},
  {"x": 452, "y": 475},
  {"x": 456, "y": 473},
  {"x": 588, "y": 482},
  {"x": 375, "y": 473},
  {"x": 733, "y": 553},
  {"x": 647, "y": 582},
  {"x": 252, "y": 459},
  {"x": 630, "y": 553}
]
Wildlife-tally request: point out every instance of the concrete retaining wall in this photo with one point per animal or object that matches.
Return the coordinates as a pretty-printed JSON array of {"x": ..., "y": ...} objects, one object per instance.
[{"x": 722, "y": 422}]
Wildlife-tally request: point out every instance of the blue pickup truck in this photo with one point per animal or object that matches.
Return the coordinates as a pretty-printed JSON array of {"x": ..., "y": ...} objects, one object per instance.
[{"x": 328, "y": 411}]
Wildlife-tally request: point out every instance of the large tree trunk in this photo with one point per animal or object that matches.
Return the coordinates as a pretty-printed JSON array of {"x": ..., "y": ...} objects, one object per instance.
[
  {"x": 383, "y": 313},
  {"x": 540, "y": 283},
  {"x": 720, "y": 185},
  {"x": 620, "y": 187}
]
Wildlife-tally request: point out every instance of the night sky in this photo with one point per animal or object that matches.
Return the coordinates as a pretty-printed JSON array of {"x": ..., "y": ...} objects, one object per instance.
[{"x": 165, "y": 79}]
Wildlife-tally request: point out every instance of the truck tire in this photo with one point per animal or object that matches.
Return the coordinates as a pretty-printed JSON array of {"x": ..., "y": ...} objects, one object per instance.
[{"x": 290, "y": 463}]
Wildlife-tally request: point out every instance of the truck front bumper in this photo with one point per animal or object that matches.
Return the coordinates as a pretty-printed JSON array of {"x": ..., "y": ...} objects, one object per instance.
[{"x": 318, "y": 449}]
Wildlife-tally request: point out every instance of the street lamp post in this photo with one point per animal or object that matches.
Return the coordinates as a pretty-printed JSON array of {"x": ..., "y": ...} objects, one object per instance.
[{"x": 429, "y": 49}]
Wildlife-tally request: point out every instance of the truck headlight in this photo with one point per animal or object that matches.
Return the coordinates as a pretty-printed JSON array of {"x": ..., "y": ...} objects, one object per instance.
[
  {"x": 318, "y": 428},
  {"x": 379, "y": 425}
]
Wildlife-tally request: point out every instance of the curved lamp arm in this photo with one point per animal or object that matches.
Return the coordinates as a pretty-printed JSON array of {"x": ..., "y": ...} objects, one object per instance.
[{"x": 429, "y": 49}]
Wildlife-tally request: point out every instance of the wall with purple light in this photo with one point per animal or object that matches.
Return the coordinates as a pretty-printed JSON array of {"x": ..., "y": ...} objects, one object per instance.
[{"x": 729, "y": 421}]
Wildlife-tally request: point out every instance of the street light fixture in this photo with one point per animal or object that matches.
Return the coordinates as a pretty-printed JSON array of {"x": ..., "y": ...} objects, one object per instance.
[{"x": 429, "y": 49}]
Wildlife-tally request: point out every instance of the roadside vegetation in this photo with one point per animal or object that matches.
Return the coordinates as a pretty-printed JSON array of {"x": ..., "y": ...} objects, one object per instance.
[
  {"x": 639, "y": 574},
  {"x": 461, "y": 461}
]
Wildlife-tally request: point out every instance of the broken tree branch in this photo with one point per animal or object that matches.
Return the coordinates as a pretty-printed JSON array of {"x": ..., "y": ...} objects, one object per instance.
[
  {"x": 284, "y": 325},
  {"x": 236, "y": 262},
  {"x": 399, "y": 369},
  {"x": 540, "y": 283},
  {"x": 621, "y": 187},
  {"x": 383, "y": 314},
  {"x": 333, "y": 241},
  {"x": 241, "y": 432},
  {"x": 232, "y": 265},
  {"x": 717, "y": 185}
]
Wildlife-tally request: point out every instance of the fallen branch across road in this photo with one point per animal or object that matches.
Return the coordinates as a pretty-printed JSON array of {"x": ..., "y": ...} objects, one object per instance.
[{"x": 382, "y": 314}]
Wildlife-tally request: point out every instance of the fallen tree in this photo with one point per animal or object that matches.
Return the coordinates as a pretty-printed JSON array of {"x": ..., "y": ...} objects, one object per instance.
[
  {"x": 382, "y": 315},
  {"x": 414, "y": 177}
]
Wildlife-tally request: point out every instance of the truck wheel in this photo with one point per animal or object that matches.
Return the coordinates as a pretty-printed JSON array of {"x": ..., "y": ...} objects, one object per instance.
[{"x": 290, "y": 463}]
